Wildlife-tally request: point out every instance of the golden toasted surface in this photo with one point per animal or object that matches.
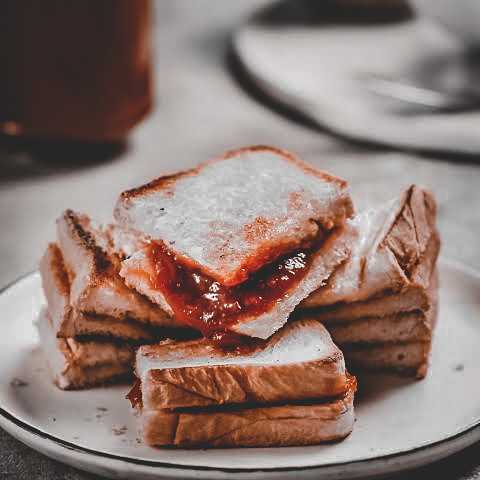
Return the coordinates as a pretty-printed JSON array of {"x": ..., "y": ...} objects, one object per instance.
[
  {"x": 396, "y": 248},
  {"x": 232, "y": 215},
  {"x": 299, "y": 362},
  {"x": 269, "y": 426}
]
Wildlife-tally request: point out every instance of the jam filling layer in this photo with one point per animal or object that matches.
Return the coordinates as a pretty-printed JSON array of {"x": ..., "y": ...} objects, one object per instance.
[{"x": 201, "y": 302}]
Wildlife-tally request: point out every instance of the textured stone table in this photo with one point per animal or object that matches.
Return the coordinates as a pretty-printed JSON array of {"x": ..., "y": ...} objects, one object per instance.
[{"x": 201, "y": 110}]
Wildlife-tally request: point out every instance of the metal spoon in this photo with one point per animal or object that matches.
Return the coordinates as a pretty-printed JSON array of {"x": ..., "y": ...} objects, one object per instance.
[{"x": 420, "y": 95}]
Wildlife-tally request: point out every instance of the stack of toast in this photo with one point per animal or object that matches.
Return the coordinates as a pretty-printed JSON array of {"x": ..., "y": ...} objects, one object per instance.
[
  {"x": 93, "y": 321},
  {"x": 291, "y": 390},
  {"x": 222, "y": 288},
  {"x": 381, "y": 305}
]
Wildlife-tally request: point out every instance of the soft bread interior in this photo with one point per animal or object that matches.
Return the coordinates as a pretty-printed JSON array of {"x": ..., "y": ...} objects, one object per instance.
[{"x": 232, "y": 216}]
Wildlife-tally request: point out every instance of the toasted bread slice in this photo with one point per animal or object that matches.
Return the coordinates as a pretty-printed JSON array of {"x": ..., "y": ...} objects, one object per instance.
[
  {"x": 396, "y": 249},
  {"x": 335, "y": 250},
  {"x": 298, "y": 362},
  {"x": 231, "y": 216},
  {"x": 95, "y": 286},
  {"x": 397, "y": 342},
  {"x": 268, "y": 426},
  {"x": 408, "y": 358},
  {"x": 76, "y": 365},
  {"x": 400, "y": 327},
  {"x": 413, "y": 299},
  {"x": 67, "y": 321},
  {"x": 120, "y": 242},
  {"x": 407, "y": 354}
]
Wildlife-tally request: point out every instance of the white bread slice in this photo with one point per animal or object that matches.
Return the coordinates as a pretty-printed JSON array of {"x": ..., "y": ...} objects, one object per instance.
[
  {"x": 68, "y": 321},
  {"x": 268, "y": 426},
  {"x": 330, "y": 255},
  {"x": 95, "y": 286},
  {"x": 409, "y": 358},
  {"x": 396, "y": 249},
  {"x": 231, "y": 216},
  {"x": 400, "y": 327},
  {"x": 76, "y": 365},
  {"x": 121, "y": 242},
  {"x": 397, "y": 342},
  {"x": 409, "y": 300},
  {"x": 299, "y": 362}
]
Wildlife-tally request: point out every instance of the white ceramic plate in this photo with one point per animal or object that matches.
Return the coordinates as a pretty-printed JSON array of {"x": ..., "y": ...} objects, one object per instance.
[
  {"x": 400, "y": 424},
  {"x": 317, "y": 70}
]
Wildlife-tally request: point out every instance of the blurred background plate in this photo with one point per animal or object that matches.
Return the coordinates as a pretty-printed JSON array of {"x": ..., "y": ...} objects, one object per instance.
[{"x": 317, "y": 58}]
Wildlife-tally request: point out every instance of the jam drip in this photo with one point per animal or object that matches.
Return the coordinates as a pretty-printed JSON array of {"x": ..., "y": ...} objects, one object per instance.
[
  {"x": 135, "y": 394},
  {"x": 201, "y": 302}
]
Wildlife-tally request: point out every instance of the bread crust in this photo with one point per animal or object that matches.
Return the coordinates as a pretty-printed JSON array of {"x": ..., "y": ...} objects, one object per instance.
[
  {"x": 411, "y": 299},
  {"x": 270, "y": 426},
  {"x": 81, "y": 364},
  {"x": 68, "y": 321},
  {"x": 216, "y": 385},
  {"x": 408, "y": 357},
  {"x": 402, "y": 327},
  {"x": 226, "y": 378},
  {"x": 415, "y": 299},
  {"x": 232, "y": 230},
  {"x": 402, "y": 258},
  {"x": 95, "y": 285}
]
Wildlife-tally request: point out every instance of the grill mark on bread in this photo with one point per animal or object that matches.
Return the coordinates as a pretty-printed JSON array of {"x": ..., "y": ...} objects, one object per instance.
[
  {"x": 160, "y": 183},
  {"x": 57, "y": 266},
  {"x": 408, "y": 256},
  {"x": 100, "y": 259}
]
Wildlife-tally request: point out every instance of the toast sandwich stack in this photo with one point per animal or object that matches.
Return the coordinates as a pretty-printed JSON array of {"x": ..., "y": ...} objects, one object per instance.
[
  {"x": 92, "y": 321},
  {"x": 234, "y": 246},
  {"x": 240, "y": 293},
  {"x": 290, "y": 390},
  {"x": 381, "y": 305}
]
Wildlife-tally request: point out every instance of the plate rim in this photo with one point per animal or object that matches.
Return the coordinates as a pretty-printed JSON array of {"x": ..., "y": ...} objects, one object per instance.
[
  {"x": 301, "y": 108},
  {"x": 8, "y": 418}
]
